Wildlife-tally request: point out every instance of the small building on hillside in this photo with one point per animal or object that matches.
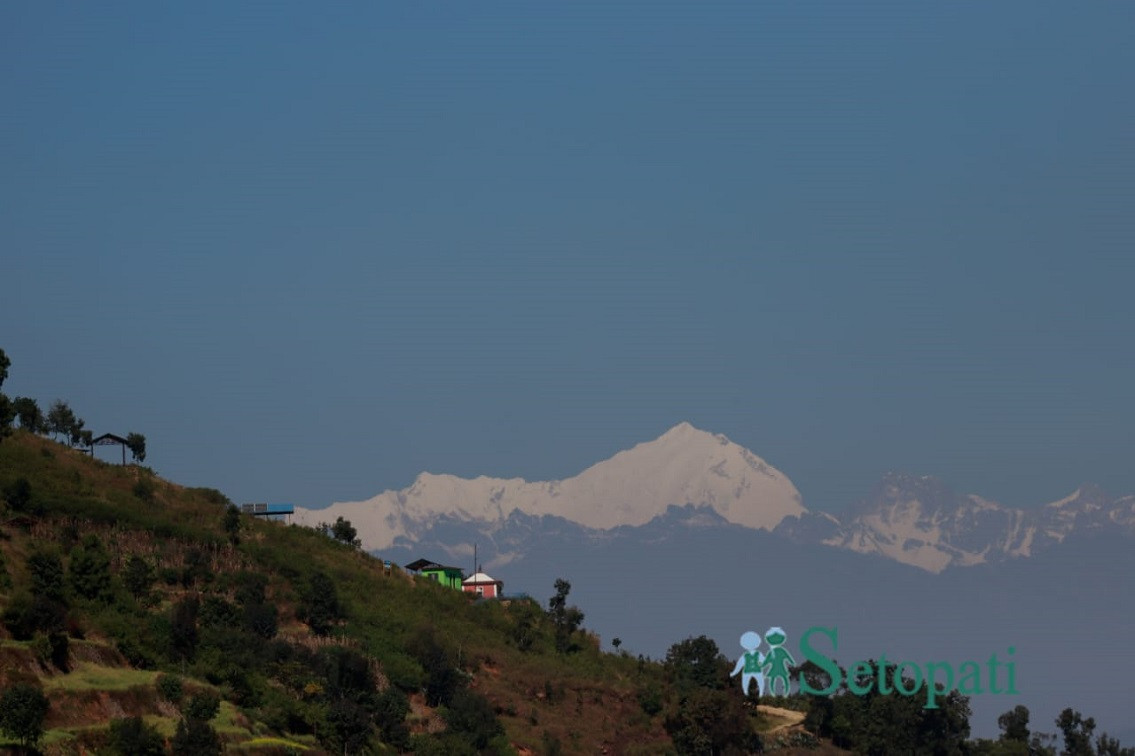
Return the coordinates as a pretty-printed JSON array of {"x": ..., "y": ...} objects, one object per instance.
[
  {"x": 271, "y": 512},
  {"x": 483, "y": 586},
  {"x": 450, "y": 577}
]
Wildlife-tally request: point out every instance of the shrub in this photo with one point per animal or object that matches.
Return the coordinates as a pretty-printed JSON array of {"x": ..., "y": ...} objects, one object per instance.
[
  {"x": 144, "y": 490},
  {"x": 138, "y": 577},
  {"x": 470, "y": 714},
  {"x": 203, "y": 706},
  {"x": 170, "y": 688},
  {"x": 391, "y": 708},
  {"x": 90, "y": 569},
  {"x": 133, "y": 737},
  {"x": 195, "y": 738},
  {"x": 320, "y": 607},
  {"x": 52, "y": 649},
  {"x": 18, "y": 494},
  {"x": 261, "y": 619},
  {"x": 650, "y": 699}
]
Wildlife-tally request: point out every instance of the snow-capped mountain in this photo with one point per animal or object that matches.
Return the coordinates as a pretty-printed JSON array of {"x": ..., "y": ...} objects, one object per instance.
[
  {"x": 916, "y": 520},
  {"x": 919, "y": 520},
  {"x": 683, "y": 466}
]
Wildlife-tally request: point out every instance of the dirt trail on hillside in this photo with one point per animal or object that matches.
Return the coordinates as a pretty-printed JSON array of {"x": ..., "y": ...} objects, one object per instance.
[{"x": 794, "y": 717}]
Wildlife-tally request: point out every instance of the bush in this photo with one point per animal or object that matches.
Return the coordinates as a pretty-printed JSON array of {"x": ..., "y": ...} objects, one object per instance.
[
  {"x": 195, "y": 738},
  {"x": 391, "y": 708},
  {"x": 203, "y": 706},
  {"x": 52, "y": 649},
  {"x": 470, "y": 714},
  {"x": 46, "y": 569},
  {"x": 320, "y": 607},
  {"x": 138, "y": 577},
  {"x": 133, "y": 737},
  {"x": 261, "y": 619},
  {"x": 144, "y": 490},
  {"x": 183, "y": 629},
  {"x": 170, "y": 688},
  {"x": 26, "y": 614},
  {"x": 18, "y": 494},
  {"x": 650, "y": 699},
  {"x": 90, "y": 569}
]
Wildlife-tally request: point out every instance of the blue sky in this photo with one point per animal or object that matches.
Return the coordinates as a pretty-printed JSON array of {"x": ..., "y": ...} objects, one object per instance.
[{"x": 311, "y": 252}]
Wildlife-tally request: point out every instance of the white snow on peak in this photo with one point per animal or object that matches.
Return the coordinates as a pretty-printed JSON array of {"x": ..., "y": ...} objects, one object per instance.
[
  {"x": 684, "y": 465},
  {"x": 1066, "y": 500}
]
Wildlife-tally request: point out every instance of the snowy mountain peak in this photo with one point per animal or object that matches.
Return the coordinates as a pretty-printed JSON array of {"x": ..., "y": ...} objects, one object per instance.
[
  {"x": 920, "y": 520},
  {"x": 684, "y": 465}
]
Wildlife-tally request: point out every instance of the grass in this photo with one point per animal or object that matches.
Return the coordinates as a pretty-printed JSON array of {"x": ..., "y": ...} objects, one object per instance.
[
  {"x": 255, "y": 743},
  {"x": 76, "y": 495},
  {"x": 87, "y": 676}
]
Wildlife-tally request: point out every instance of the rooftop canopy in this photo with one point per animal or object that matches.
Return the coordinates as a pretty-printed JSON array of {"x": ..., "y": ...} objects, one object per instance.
[{"x": 426, "y": 564}]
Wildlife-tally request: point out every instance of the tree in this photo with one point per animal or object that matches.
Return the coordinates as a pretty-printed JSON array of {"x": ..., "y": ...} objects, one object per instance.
[
  {"x": 7, "y": 409},
  {"x": 136, "y": 443},
  {"x": 350, "y": 726},
  {"x": 697, "y": 662},
  {"x": 29, "y": 414},
  {"x": 23, "y": 708},
  {"x": 7, "y": 415},
  {"x": 391, "y": 708},
  {"x": 138, "y": 577},
  {"x": 1077, "y": 733},
  {"x": 566, "y": 619},
  {"x": 1109, "y": 746},
  {"x": 1014, "y": 724},
  {"x": 710, "y": 722},
  {"x": 46, "y": 569},
  {"x": 320, "y": 607},
  {"x": 183, "y": 628},
  {"x": 60, "y": 419},
  {"x": 231, "y": 524},
  {"x": 76, "y": 433},
  {"x": 344, "y": 532},
  {"x": 90, "y": 569}
]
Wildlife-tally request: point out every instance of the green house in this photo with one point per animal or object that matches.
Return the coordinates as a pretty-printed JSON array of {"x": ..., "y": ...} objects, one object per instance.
[{"x": 450, "y": 577}]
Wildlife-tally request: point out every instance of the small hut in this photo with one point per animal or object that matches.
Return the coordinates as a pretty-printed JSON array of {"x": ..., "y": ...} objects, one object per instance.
[{"x": 483, "y": 585}]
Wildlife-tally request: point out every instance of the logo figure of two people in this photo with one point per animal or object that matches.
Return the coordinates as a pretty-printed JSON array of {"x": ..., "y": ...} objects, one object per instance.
[{"x": 753, "y": 664}]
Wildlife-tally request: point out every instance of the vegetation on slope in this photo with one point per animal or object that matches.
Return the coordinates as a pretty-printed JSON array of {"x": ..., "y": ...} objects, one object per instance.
[{"x": 138, "y": 616}]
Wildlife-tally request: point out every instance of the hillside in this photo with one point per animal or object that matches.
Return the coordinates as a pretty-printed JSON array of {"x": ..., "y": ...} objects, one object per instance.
[{"x": 116, "y": 586}]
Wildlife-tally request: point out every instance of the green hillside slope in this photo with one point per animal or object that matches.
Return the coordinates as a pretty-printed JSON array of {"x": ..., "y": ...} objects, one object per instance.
[{"x": 116, "y": 585}]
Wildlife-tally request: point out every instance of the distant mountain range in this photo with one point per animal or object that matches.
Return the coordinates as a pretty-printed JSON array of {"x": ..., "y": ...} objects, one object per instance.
[
  {"x": 691, "y": 534},
  {"x": 915, "y": 520}
]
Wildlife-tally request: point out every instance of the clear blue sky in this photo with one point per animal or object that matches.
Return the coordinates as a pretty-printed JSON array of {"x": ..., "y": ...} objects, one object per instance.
[{"x": 311, "y": 251}]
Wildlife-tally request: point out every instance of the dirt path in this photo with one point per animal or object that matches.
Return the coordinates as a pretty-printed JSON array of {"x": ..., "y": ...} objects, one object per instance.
[{"x": 793, "y": 717}]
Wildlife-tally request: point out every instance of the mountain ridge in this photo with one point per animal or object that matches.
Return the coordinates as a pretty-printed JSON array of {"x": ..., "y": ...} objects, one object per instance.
[
  {"x": 918, "y": 520},
  {"x": 683, "y": 465}
]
